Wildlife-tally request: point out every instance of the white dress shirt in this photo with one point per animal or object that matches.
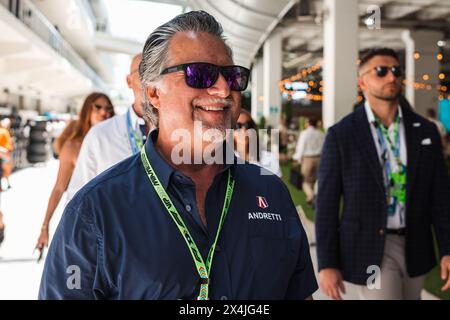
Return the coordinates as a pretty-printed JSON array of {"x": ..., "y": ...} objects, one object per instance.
[
  {"x": 396, "y": 221},
  {"x": 105, "y": 144},
  {"x": 309, "y": 143}
]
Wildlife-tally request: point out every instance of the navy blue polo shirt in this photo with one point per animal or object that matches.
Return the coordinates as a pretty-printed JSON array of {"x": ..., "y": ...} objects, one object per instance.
[{"x": 117, "y": 241}]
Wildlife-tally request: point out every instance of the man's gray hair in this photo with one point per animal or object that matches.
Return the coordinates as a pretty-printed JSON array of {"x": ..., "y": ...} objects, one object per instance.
[{"x": 155, "y": 53}]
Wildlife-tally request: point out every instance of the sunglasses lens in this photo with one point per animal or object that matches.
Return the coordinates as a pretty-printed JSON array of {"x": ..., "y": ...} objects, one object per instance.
[
  {"x": 108, "y": 109},
  {"x": 201, "y": 75},
  {"x": 397, "y": 71},
  {"x": 382, "y": 71},
  {"x": 236, "y": 77},
  {"x": 204, "y": 75},
  {"x": 246, "y": 125}
]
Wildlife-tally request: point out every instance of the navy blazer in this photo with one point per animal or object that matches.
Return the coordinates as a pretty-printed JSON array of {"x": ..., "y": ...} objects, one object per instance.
[{"x": 351, "y": 211}]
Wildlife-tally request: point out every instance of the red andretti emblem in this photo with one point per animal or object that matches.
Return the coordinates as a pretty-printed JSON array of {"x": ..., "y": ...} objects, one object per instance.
[{"x": 262, "y": 202}]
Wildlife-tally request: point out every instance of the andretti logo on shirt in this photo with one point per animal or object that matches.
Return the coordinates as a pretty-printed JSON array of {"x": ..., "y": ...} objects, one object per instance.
[
  {"x": 264, "y": 216},
  {"x": 262, "y": 202}
]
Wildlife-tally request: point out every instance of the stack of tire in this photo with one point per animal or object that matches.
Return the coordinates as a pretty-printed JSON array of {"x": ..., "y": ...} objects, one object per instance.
[
  {"x": 38, "y": 145},
  {"x": 20, "y": 142}
]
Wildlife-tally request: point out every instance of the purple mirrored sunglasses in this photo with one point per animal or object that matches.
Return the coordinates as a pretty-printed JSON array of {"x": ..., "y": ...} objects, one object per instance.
[{"x": 202, "y": 75}]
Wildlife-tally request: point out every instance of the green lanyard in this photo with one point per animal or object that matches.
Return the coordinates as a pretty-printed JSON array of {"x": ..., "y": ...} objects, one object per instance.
[
  {"x": 132, "y": 136},
  {"x": 202, "y": 268},
  {"x": 395, "y": 147},
  {"x": 398, "y": 188}
]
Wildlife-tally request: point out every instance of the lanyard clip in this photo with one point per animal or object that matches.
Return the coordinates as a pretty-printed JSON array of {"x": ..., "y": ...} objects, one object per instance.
[{"x": 204, "y": 281}]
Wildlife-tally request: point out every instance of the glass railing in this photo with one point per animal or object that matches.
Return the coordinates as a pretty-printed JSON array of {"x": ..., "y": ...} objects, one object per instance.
[{"x": 26, "y": 12}]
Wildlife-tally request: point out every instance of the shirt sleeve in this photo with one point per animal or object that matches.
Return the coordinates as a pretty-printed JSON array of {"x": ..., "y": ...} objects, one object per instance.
[
  {"x": 86, "y": 167},
  {"x": 440, "y": 205},
  {"x": 330, "y": 189},
  {"x": 300, "y": 148},
  {"x": 303, "y": 281},
  {"x": 71, "y": 269}
]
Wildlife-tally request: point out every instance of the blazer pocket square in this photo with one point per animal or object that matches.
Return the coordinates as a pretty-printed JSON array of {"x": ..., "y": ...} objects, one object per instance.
[{"x": 426, "y": 141}]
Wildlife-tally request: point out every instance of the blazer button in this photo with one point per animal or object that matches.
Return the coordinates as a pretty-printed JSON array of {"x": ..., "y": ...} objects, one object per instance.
[{"x": 381, "y": 232}]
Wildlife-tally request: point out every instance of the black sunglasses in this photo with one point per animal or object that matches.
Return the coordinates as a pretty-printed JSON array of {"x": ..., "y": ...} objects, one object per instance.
[
  {"x": 202, "y": 75},
  {"x": 108, "y": 109},
  {"x": 244, "y": 125},
  {"x": 382, "y": 71}
]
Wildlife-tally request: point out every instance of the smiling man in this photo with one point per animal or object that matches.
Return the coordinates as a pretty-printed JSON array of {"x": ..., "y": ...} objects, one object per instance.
[{"x": 151, "y": 228}]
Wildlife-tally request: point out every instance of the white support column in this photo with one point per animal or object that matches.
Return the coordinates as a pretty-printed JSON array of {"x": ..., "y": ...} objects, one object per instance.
[
  {"x": 340, "y": 55},
  {"x": 424, "y": 43},
  {"x": 272, "y": 74},
  {"x": 257, "y": 89}
]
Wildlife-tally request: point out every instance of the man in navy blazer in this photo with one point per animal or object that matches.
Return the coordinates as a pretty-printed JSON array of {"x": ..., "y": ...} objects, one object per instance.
[{"x": 383, "y": 190}]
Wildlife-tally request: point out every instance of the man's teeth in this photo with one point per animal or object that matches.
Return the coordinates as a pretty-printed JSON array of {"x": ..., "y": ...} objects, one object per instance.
[{"x": 208, "y": 108}]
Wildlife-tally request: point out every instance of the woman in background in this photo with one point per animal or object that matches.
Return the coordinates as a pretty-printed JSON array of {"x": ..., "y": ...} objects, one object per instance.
[
  {"x": 246, "y": 129},
  {"x": 96, "y": 108}
]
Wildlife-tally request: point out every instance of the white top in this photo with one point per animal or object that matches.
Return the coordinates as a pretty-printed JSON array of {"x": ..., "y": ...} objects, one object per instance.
[
  {"x": 105, "y": 144},
  {"x": 309, "y": 143},
  {"x": 269, "y": 162},
  {"x": 396, "y": 221}
]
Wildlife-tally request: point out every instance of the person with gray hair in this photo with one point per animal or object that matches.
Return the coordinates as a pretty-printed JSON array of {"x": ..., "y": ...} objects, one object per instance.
[{"x": 155, "y": 227}]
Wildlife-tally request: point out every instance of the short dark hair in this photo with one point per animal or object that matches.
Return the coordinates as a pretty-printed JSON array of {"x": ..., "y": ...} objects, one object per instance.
[
  {"x": 312, "y": 122},
  {"x": 377, "y": 52}
]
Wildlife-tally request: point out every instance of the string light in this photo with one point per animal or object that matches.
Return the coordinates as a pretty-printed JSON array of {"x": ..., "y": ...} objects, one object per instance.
[{"x": 299, "y": 76}]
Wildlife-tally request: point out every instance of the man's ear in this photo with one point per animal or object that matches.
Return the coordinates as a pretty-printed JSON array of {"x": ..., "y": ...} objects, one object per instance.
[
  {"x": 153, "y": 96},
  {"x": 129, "y": 81},
  {"x": 361, "y": 83}
]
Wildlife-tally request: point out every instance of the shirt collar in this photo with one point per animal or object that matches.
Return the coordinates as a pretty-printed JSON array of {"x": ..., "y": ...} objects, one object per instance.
[
  {"x": 159, "y": 164},
  {"x": 371, "y": 115},
  {"x": 164, "y": 170},
  {"x": 135, "y": 120}
]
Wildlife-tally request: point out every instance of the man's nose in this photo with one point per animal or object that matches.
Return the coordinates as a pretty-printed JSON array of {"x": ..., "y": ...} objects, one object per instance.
[
  {"x": 220, "y": 88},
  {"x": 390, "y": 76}
]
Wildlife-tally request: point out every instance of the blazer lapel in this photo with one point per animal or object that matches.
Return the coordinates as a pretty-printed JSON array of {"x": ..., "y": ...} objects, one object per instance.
[{"x": 366, "y": 145}]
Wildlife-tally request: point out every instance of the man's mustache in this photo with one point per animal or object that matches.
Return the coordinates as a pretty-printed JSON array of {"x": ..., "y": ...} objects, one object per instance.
[{"x": 226, "y": 102}]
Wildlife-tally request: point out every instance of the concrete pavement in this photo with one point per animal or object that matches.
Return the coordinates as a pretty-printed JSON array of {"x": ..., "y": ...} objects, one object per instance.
[{"x": 24, "y": 208}]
